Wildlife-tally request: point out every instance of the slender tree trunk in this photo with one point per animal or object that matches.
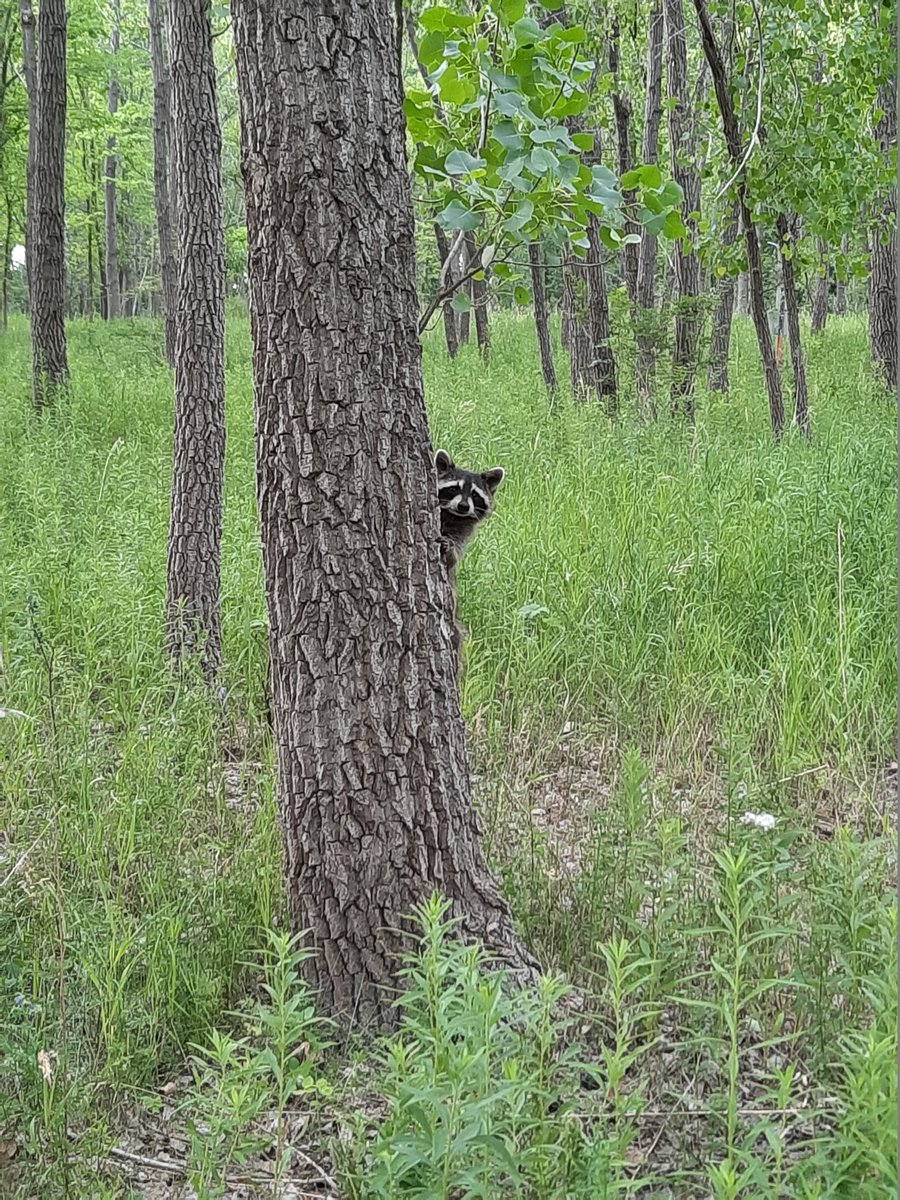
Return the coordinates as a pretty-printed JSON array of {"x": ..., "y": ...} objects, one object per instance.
[
  {"x": 113, "y": 298},
  {"x": 599, "y": 332},
  {"x": 622, "y": 118},
  {"x": 720, "y": 340},
  {"x": 882, "y": 290},
  {"x": 161, "y": 158},
  {"x": 840, "y": 288},
  {"x": 742, "y": 302},
  {"x": 479, "y": 299},
  {"x": 787, "y": 241},
  {"x": 450, "y": 335},
  {"x": 48, "y": 284},
  {"x": 374, "y": 788},
  {"x": 820, "y": 291},
  {"x": 29, "y": 66},
  {"x": 465, "y": 318},
  {"x": 7, "y": 251},
  {"x": 542, "y": 318},
  {"x": 771, "y": 373},
  {"x": 687, "y": 267},
  {"x": 192, "y": 594},
  {"x": 645, "y": 335}
]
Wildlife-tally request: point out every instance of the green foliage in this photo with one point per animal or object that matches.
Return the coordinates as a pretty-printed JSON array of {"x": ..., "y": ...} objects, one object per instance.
[{"x": 496, "y": 150}]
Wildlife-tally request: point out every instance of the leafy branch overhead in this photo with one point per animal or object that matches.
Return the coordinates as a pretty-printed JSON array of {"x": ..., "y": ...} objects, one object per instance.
[{"x": 500, "y": 148}]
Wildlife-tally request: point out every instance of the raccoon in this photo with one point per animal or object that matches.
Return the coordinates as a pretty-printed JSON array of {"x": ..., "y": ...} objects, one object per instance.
[{"x": 465, "y": 498}]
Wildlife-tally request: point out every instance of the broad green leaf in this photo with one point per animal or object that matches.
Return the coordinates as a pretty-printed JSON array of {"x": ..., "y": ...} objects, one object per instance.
[
  {"x": 459, "y": 162},
  {"x": 521, "y": 294},
  {"x": 527, "y": 31},
  {"x": 461, "y": 303},
  {"x": 457, "y": 216},
  {"x": 508, "y": 136},
  {"x": 487, "y": 255},
  {"x": 520, "y": 217},
  {"x": 630, "y": 180},
  {"x": 512, "y": 10},
  {"x": 543, "y": 160},
  {"x": 584, "y": 141},
  {"x": 555, "y": 134},
  {"x": 673, "y": 226},
  {"x": 434, "y": 17},
  {"x": 650, "y": 176}
]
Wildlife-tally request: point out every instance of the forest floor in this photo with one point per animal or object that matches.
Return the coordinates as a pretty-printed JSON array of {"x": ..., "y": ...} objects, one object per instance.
[{"x": 681, "y": 697}]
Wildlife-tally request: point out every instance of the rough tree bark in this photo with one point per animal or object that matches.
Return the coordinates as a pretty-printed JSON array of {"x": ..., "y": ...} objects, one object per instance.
[
  {"x": 687, "y": 267},
  {"x": 192, "y": 591},
  {"x": 450, "y": 333},
  {"x": 786, "y": 229},
  {"x": 542, "y": 318},
  {"x": 622, "y": 118},
  {"x": 374, "y": 789},
  {"x": 113, "y": 299},
  {"x": 820, "y": 290},
  {"x": 882, "y": 291},
  {"x": 742, "y": 299},
  {"x": 720, "y": 339},
  {"x": 646, "y": 269},
  {"x": 156, "y": 14},
  {"x": 48, "y": 266},
  {"x": 731, "y": 129}
]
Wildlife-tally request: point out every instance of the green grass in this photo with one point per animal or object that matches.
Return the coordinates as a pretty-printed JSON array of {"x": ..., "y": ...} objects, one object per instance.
[{"x": 667, "y": 627}]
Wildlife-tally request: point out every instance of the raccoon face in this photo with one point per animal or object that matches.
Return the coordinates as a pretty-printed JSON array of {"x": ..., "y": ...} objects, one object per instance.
[{"x": 468, "y": 495}]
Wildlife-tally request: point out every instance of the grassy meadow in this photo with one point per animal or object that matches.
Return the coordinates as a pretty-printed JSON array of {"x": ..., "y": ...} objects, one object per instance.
[{"x": 669, "y": 628}]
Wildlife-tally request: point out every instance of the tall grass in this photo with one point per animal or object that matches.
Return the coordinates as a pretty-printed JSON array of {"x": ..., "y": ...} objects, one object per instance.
[{"x": 667, "y": 628}]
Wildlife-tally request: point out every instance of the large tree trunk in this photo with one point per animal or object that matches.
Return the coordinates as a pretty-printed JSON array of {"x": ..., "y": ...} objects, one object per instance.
[
  {"x": 622, "y": 117},
  {"x": 771, "y": 374},
  {"x": 542, "y": 318},
  {"x": 48, "y": 268},
  {"x": 113, "y": 299},
  {"x": 192, "y": 592},
  {"x": 374, "y": 788},
  {"x": 820, "y": 291},
  {"x": 156, "y": 14},
  {"x": 687, "y": 267},
  {"x": 29, "y": 65},
  {"x": 720, "y": 339},
  {"x": 882, "y": 291},
  {"x": 450, "y": 335},
  {"x": 786, "y": 243},
  {"x": 646, "y": 270}
]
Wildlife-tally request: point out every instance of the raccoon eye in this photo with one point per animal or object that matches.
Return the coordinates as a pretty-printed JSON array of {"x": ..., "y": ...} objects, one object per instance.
[{"x": 478, "y": 503}]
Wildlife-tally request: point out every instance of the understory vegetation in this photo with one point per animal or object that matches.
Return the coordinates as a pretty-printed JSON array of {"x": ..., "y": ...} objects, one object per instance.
[{"x": 680, "y": 690}]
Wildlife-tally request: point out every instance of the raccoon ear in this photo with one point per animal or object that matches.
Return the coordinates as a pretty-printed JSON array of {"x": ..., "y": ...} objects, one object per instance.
[
  {"x": 442, "y": 462},
  {"x": 493, "y": 478}
]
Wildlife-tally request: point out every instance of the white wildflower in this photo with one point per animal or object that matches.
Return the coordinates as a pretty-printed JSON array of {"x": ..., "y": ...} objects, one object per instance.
[{"x": 759, "y": 820}]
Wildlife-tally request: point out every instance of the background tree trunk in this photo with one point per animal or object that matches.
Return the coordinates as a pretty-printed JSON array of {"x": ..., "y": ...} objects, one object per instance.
[
  {"x": 622, "y": 118},
  {"x": 113, "y": 298},
  {"x": 840, "y": 288},
  {"x": 542, "y": 318},
  {"x": 479, "y": 299},
  {"x": 731, "y": 129},
  {"x": 742, "y": 298},
  {"x": 820, "y": 290},
  {"x": 720, "y": 339},
  {"x": 156, "y": 14},
  {"x": 29, "y": 67},
  {"x": 192, "y": 592},
  {"x": 646, "y": 271},
  {"x": 48, "y": 283},
  {"x": 786, "y": 241},
  {"x": 374, "y": 789},
  {"x": 450, "y": 336},
  {"x": 687, "y": 269},
  {"x": 7, "y": 252},
  {"x": 882, "y": 291}
]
